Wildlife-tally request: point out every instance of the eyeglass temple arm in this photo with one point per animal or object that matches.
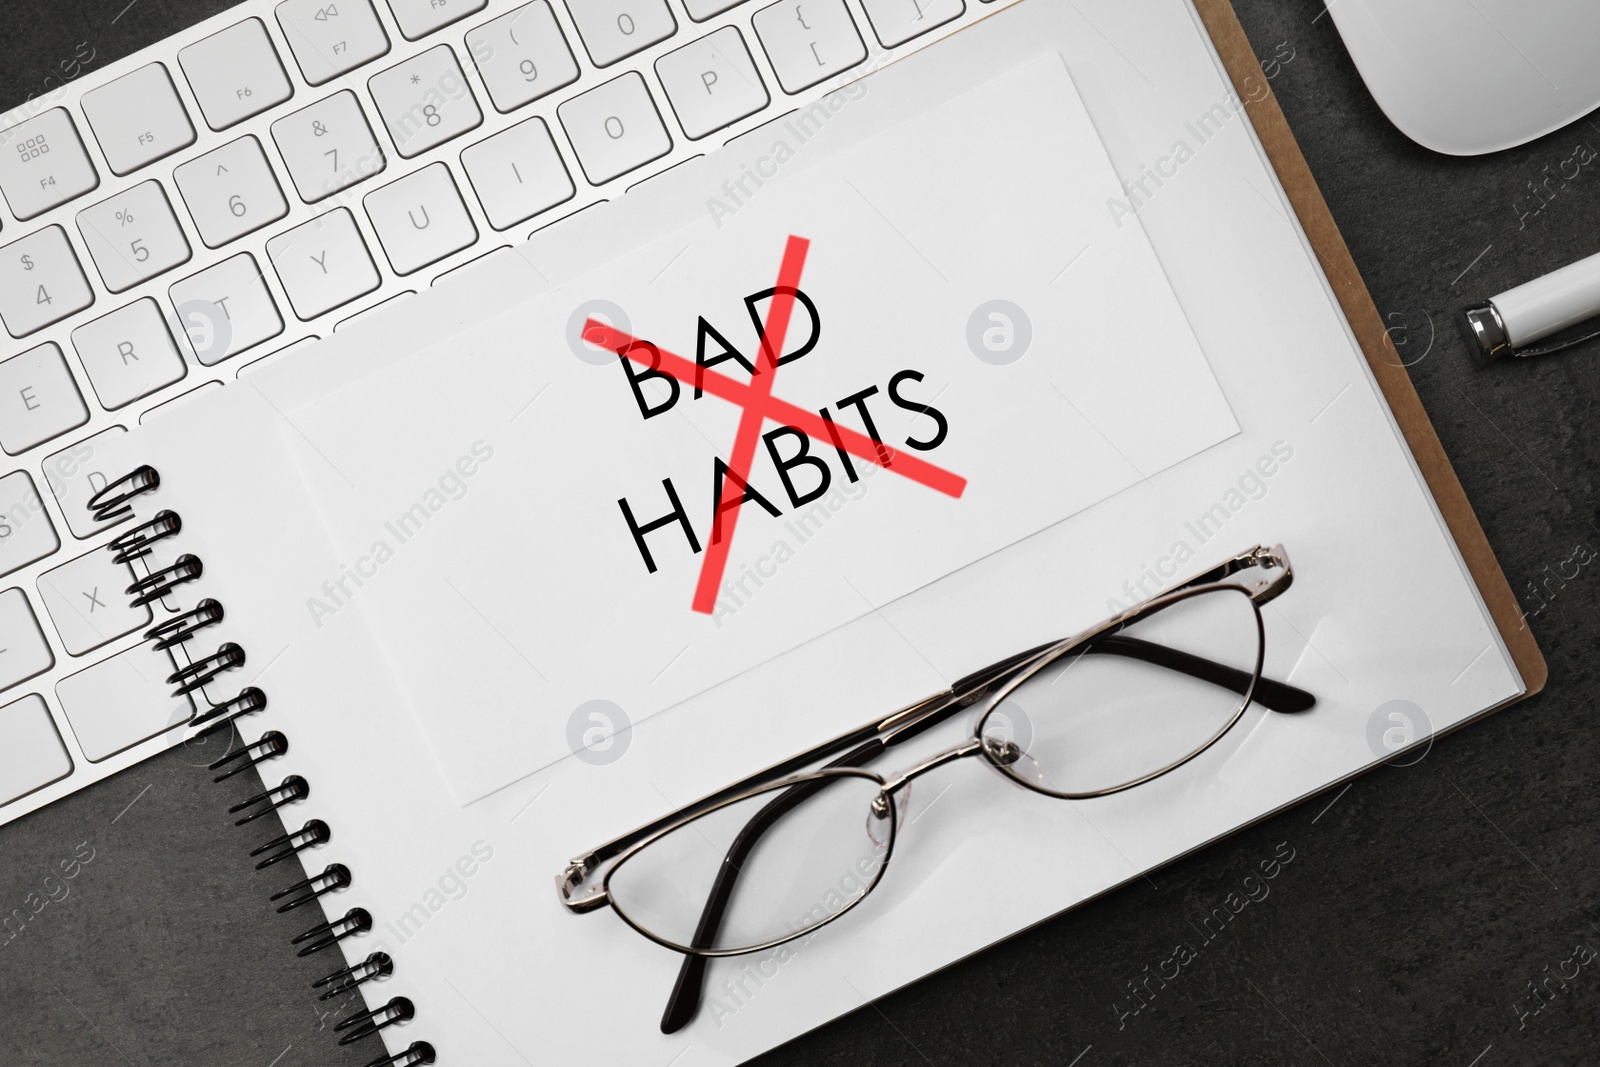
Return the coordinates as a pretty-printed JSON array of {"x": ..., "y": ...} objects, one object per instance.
[
  {"x": 685, "y": 998},
  {"x": 1270, "y": 694},
  {"x": 1262, "y": 590}
]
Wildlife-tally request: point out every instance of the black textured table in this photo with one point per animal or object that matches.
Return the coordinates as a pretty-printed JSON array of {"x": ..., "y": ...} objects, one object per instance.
[{"x": 1426, "y": 916}]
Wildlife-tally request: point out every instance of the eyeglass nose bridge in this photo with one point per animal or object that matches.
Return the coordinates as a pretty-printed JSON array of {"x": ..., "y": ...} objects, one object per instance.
[{"x": 971, "y": 747}]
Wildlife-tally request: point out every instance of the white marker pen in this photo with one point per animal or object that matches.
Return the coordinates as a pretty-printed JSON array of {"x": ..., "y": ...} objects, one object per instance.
[{"x": 1534, "y": 310}]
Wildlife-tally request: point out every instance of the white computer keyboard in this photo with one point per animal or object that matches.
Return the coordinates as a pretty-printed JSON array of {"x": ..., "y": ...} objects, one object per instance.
[{"x": 264, "y": 177}]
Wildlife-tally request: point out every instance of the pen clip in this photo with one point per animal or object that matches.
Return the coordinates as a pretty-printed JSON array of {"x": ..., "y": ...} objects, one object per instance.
[{"x": 1487, "y": 339}]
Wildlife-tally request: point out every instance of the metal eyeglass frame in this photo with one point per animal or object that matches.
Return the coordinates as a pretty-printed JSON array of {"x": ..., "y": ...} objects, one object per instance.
[{"x": 792, "y": 783}]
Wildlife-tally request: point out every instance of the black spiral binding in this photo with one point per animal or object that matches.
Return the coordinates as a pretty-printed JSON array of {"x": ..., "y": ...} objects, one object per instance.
[{"x": 189, "y": 678}]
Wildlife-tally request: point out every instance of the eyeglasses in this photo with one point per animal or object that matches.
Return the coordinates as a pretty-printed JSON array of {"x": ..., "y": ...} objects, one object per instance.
[{"x": 775, "y": 856}]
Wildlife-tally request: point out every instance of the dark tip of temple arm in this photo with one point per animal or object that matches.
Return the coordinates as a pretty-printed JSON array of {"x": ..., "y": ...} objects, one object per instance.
[
  {"x": 1280, "y": 696},
  {"x": 685, "y": 999},
  {"x": 1274, "y": 696}
]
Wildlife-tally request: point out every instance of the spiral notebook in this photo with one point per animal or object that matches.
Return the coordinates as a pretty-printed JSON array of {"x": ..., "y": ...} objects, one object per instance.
[{"x": 441, "y": 921}]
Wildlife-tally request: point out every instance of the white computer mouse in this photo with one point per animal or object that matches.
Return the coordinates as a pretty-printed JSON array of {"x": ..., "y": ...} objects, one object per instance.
[{"x": 1466, "y": 77}]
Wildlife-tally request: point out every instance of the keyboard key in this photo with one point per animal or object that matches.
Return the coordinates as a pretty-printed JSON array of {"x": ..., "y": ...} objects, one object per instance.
[
  {"x": 128, "y": 354},
  {"x": 614, "y": 128},
  {"x": 121, "y": 701},
  {"x": 26, "y": 533},
  {"x": 328, "y": 146},
  {"x": 323, "y": 263},
  {"x": 133, "y": 236},
  {"x": 420, "y": 219},
  {"x": 425, "y": 101},
  {"x": 700, "y": 10},
  {"x": 517, "y": 173},
  {"x": 38, "y": 399},
  {"x": 230, "y": 191},
  {"x": 897, "y": 21},
  {"x": 712, "y": 83},
  {"x": 235, "y": 73},
  {"x": 87, "y": 600},
  {"x": 329, "y": 38},
  {"x": 43, "y": 163},
  {"x": 138, "y": 118},
  {"x": 226, "y": 309},
  {"x": 41, "y": 281},
  {"x": 418, "y": 18},
  {"x": 809, "y": 41},
  {"x": 24, "y": 652},
  {"x": 75, "y": 474},
  {"x": 31, "y": 753},
  {"x": 522, "y": 55},
  {"x": 616, "y": 29}
]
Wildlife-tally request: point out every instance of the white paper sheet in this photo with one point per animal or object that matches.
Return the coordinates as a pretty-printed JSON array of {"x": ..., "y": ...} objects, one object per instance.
[{"x": 481, "y": 523}]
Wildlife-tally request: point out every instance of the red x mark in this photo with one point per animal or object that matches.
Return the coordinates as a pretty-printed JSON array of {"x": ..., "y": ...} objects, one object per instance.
[{"x": 758, "y": 405}]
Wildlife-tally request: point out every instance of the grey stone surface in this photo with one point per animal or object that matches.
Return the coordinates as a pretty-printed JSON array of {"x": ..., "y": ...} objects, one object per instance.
[{"x": 1417, "y": 909}]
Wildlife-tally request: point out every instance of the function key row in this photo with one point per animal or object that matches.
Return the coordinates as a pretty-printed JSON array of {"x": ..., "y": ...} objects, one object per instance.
[{"x": 235, "y": 74}]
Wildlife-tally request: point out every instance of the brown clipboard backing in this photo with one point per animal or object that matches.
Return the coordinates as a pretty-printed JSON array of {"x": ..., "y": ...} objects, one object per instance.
[{"x": 1222, "y": 25}]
